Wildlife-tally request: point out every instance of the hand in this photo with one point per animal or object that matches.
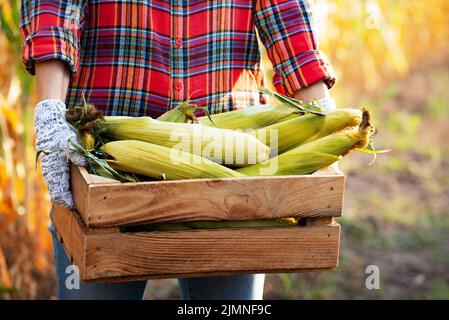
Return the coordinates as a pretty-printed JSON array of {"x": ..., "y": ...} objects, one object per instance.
[
  {"x": 327, "y": 104},
  {"x": 317, "y": 93},
  {"x": 52, "y": 136}
]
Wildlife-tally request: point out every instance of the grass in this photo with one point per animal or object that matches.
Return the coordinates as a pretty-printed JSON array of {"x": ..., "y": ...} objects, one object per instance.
[{"x": 439, "y": 290}]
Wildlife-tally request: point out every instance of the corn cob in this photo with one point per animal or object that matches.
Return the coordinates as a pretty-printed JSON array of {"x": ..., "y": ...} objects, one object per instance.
[
  {"x": 160, "y": 162},
  {"x": 285, "y": 135},
  {"x": 177, "y": 226},
  {"x": 316, "y": 154},
  {"x": 294, "y": 164},
  {"x": 290, "y": 116},
  {"x": 89, "y": 141},
  {"x": 300, "y": 129},
  {"x": 337, "y": 120},
  {"x": 222, "y": 146},
  {"x": 248, "y": 118}
]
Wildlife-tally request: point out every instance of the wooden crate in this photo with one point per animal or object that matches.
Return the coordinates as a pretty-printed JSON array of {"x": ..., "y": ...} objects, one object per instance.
[{"x": 104, "y": 237}]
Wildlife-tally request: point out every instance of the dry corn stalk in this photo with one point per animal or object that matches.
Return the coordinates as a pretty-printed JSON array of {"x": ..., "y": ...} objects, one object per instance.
[{"x": 161, "y": 162}]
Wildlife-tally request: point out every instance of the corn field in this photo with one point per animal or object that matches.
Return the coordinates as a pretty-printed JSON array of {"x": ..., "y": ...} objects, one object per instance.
[{"x": 369, "y": 42}]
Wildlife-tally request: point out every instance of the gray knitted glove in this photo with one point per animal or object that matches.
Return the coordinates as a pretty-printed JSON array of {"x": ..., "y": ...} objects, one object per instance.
[
  {"x": 328, "y": 104},
  {"x": 53, "y": 133}
]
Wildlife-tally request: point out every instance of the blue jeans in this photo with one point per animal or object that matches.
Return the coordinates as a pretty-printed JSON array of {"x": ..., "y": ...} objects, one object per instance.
[{"x": 244, "y": 287}]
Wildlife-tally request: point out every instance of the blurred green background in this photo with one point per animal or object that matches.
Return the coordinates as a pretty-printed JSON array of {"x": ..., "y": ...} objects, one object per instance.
[{"x": 391, "y": 56}]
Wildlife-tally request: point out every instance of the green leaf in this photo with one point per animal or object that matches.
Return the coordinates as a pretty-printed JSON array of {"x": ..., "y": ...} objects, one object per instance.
[
  {"x": 93, "y": 161},
  {"x": 298, "y": 104},
  {"x": 4, "y": 289}
]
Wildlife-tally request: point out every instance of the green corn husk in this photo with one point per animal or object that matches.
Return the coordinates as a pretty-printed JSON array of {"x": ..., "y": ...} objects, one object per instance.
[
  {"x": 316, "y": 154},
  {"x": 299, "y": 105},
  {"x": 286, "y": 135},
  {"x": 223, "y": 146},
  {"x": 184, "y": 113},
  {"x": 298, "y": 130},
  {"x": 341, "y": 143},
  {"x": 297, "y": 163},
  {"x": 290, "y": 116},
  {"x": 99, "y": 171},
  {"x": 178, "y": 226},
  {"x": 248, "y": 118},
  {"x": 174, "y": 115},
  {"x": 160, "y": 162},
  {"x": 337, "y": 120}
]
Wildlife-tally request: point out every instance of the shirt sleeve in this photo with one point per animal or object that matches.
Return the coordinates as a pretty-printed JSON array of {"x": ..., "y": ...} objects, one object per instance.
[
  {"x": 287, "y": 31},
  {"x": 52, "y": 29}
]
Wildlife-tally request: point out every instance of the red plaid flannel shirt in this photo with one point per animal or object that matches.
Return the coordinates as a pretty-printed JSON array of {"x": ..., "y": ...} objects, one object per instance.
[{"x": 143, "y": 57}]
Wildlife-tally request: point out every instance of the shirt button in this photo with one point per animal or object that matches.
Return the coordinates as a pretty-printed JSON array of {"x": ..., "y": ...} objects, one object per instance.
[
  {"x": 177, "y": 85},
  {"x": 178, "y": 42}
]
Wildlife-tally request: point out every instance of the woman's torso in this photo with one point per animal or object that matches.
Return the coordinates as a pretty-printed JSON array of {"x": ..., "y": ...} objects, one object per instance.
[{"x": 144, "y": 57}]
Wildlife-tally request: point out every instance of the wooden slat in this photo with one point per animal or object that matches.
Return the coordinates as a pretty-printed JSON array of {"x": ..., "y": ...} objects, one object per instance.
[
  {"x": 333, "y": 169},
  {"x": 72, "y": 234},
  {"x": 200, "y": 275},
  {"x": 115, "y": 204},
  {"x": 108, "y": 255},
  {"x": 98, "y": 179},
  {"x": 80, "y": 189},
  {"x": 212, "y": 252},
  {"x": 329, "y": 170}
]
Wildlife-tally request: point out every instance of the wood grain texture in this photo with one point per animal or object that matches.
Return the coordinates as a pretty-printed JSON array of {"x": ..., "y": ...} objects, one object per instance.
[
  {"x": 98, "y": 179},
  {"x": 105, "y": 254},
  {"x": 211, "y": 252},
  {"x": 72, "y": 233},
  {"x": 112, "y": 204},
  {"x": 333, "y": 169},
  {"x": 80, "y": 180}
]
